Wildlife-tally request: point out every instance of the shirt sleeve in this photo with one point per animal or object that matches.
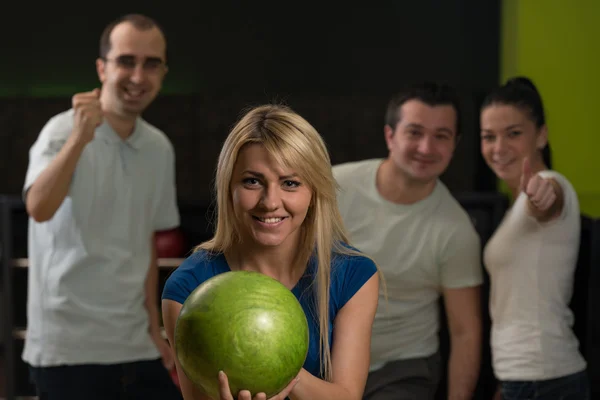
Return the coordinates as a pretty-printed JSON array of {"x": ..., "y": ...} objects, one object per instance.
[
  {"x": 357, "y": 271},
  {"x": 182, "y": 282},
  {"x": 460, "y": 263},
  {"x": 167, "y": 214},
  {"x": 48, "y": 144}
]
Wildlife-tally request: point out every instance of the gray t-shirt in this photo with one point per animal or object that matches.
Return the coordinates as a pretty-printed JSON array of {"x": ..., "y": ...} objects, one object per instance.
[
  {"x": 88, "y": 264},
  {"x": 421, "y": 248}
]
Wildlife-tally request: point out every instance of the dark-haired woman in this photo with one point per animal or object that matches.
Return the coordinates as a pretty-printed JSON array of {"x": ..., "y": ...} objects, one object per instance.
[{"x": 531, "y": 257}]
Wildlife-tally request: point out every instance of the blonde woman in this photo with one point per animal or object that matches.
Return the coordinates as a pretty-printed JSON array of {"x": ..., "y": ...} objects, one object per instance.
[{"x": 277, "y": 215}]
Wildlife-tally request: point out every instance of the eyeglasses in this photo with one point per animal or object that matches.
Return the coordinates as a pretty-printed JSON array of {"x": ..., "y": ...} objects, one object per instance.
[{"x": 129, "y": 62}]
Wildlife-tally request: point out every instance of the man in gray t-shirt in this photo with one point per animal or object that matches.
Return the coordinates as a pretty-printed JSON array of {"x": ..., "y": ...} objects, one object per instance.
[
  {"x": 100, "y": 182},
  {"x": 398, "y": 211}
]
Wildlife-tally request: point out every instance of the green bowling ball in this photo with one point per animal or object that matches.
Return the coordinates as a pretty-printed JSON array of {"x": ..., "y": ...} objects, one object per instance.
[{"x": 247, "y": 325}]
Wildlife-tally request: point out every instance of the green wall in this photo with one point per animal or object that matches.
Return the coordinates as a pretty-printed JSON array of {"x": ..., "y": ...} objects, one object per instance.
[{"x": 556, "y": 43}]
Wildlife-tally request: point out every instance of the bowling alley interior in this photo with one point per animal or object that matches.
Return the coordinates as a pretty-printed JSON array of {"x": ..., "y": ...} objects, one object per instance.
[{"x": 336, "y": 64}]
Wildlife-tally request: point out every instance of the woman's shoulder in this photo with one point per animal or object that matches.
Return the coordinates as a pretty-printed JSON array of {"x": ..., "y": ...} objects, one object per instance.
[
  {"x": 350, "y": 270},
  {"x": 350, "y": 253},
  {"x": 193, "y": 271},
  {"x": 351, "y": 260},
  {"x": 564, "y": 182},
  {"x": 201, "y": 258}
]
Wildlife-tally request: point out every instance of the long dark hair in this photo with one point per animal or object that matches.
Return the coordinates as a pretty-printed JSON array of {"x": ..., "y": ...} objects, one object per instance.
[{"x": 522, "y": 93}]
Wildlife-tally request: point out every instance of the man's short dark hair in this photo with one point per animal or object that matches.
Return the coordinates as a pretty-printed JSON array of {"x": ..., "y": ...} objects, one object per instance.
[
  {"x": 430, "y": 93},
  {"x": 140, "y": 21}
]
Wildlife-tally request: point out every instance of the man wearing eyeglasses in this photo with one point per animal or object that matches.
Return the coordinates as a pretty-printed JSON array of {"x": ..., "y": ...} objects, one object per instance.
[{"x": 100, "y": 182}]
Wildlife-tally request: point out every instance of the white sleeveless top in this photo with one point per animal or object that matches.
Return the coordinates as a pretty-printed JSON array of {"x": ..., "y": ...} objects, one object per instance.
[{"x": 531, "y": 267}]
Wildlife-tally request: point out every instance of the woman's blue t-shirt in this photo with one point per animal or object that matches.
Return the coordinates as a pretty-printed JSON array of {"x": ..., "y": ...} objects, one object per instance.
[{"x": 348, "y": 274}]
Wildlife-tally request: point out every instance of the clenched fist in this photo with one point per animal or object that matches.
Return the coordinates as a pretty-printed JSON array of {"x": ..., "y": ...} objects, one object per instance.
[
  {"x": 88, "y": 115},
  {"x": 540, "y": 191}
]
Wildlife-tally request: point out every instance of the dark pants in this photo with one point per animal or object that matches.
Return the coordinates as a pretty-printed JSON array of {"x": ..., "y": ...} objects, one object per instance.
[
  {"x": 413, "y": 379},
  {"x": 570, "y": 387},
  {"x": 148, "y": 380}
]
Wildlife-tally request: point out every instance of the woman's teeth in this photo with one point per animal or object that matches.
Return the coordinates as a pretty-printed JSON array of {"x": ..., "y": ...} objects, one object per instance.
[{"x": 270, "y": 220}]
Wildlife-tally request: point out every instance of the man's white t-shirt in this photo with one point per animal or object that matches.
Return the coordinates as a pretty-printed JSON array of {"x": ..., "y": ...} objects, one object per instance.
[
  {"x": 421, "y": 249},
  {"x": 88, "y": 264},
  {"x": 532, "y": 267}
]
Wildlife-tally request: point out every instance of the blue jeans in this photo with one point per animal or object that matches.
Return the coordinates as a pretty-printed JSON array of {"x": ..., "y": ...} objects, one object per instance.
[
  {"x": 148, "y": 380},
  {"x": 570, "y": 387}
]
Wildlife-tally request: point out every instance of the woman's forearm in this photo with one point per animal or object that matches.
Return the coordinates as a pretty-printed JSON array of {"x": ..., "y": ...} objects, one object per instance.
[{"x": 309, "y": 387}]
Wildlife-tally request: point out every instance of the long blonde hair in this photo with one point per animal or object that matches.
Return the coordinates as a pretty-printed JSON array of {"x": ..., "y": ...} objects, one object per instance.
[{"x": 295, "y": 144}]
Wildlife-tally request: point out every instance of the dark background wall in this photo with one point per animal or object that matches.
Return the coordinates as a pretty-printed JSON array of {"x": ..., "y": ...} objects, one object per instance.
[{"x": 335, "y": 63}]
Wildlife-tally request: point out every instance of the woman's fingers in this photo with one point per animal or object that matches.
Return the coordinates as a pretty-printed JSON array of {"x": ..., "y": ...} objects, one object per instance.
[{"x": 224, "y": 390}]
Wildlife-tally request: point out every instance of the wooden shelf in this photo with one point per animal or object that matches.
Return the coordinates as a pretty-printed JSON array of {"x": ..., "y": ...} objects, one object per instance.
[
  {"x": 22, "y": 333},
  {"x": 166, "y": 263},
  {"x": 162, "y": 262}
]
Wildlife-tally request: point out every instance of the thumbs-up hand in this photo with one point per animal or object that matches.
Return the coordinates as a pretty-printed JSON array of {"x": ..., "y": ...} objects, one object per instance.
[
  {"x": 88, "y": 115},
  {"x": 539, "y": 191}
]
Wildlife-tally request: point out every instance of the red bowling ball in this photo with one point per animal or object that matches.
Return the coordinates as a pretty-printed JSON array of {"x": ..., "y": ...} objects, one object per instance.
[{"x": 170, "y": 243}]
